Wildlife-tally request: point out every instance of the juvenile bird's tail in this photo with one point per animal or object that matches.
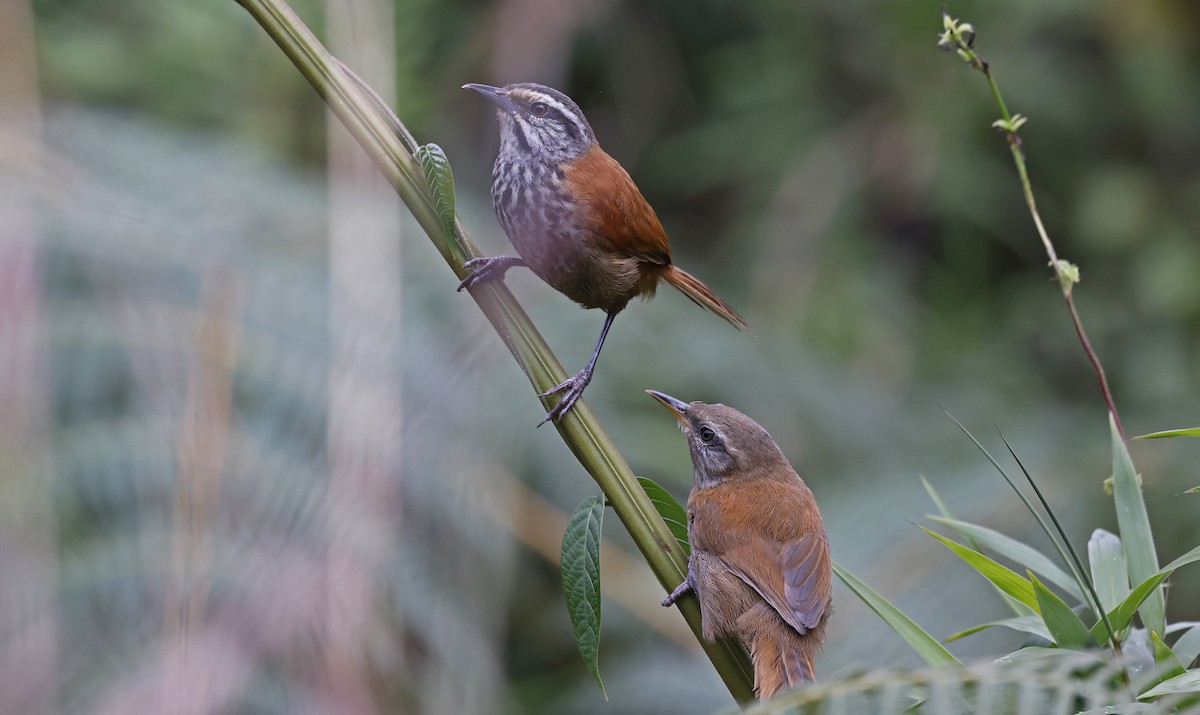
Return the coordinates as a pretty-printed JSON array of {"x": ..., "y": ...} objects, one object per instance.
[
  {"x": 780, "y": 662},
  {"x": 782, "y": 657},
  {"x": 699, "y": 294}
]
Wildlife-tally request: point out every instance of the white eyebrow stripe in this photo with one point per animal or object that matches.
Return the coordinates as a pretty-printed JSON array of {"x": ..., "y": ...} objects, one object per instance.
[{"x": 562, "y": 108}]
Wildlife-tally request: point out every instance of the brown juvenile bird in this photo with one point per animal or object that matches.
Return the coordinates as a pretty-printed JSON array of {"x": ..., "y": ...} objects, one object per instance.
[
  {"x": 577, "y": 219},
  {"x": 760, "y": 558}
]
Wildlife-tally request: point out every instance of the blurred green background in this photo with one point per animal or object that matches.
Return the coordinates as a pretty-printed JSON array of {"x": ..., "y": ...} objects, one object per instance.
[{"x": 257, "y": 456}]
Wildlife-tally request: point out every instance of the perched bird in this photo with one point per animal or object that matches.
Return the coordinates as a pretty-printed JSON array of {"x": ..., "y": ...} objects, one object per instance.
[
  {"x": 760, "y": 558},
  {"x": 575, "y": 217}
]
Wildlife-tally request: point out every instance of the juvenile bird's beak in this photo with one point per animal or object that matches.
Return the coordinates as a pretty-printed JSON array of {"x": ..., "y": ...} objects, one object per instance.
[
  {"x": 679, "y": 407},
  {"x": 497, "y": 95}
]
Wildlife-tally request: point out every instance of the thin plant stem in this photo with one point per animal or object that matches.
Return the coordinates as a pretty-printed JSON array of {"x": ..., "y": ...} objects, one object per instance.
[
  {"x": 382, "y": 136},
  {"x": 962, "y": 37}
]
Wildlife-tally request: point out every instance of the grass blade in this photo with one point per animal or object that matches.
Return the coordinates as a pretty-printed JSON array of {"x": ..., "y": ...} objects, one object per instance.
[
  {"x": 1134, "y": 524},
  {"x": 1122, "y": 615},
  {"x": 1019, "y": 609},
  {"x": 1074, "y": 563},
  {"x": 926, "y": 646},
  {"x": 1165, "y": 434},
  {"x": 1016, "y": 551},
  {"x": 1061, "y": 621},
  {"x": 1075, "y": 567},
  {"x": 1033, "y": 625},
  {"x": 1001, "y": 576},
  {"x": 1188, "y": 682}
]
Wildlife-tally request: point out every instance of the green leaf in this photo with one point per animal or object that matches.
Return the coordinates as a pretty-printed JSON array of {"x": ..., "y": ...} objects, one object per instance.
[
  {"x": 936, "y": 498},
  {"x": 1189, "y": 432},
  {"x": 1134, "y": 524},
  {"x": 1017, "y": 551},
  {"x": 1019, "y": 609},
  {"x": 1003, "y": 577},
  {"x": 1033, "y": 625},
  {"x": 1122, "y": 615},
  {"x": 1187, "y": 648},
  {"x": 926, "y": 646},
  {"x": 581, "y": 580},
  {"x": 1107, "y": 560},
  {"x": 1165, "y": 658},
  {"x": 1061, "y": 621},
  {"x": 670, "y": 510},
  {"x": 440, "y": 179},
  {"x": 1030, "y": 653},
  {"x": 1193, "y": 490},
  {"x": 1188, "y": 682}
]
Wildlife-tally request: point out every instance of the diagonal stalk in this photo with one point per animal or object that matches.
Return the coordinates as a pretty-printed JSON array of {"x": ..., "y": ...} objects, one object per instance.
[{"x": 383, "y": 138}]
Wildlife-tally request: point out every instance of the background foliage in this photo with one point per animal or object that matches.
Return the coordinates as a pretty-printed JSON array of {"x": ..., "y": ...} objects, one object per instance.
[{"x": 822, "y": 166}]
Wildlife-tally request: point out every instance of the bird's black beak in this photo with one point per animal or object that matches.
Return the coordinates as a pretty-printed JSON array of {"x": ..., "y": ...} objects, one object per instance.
[
  {"x": 497, "y": 95},
  {"x": 679, "y": 407}
]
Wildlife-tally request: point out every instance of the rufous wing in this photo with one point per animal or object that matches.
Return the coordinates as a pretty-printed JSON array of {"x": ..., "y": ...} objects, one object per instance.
[
  {"x": 777, "y": 550},
  {"x": 623, "y": 221}
]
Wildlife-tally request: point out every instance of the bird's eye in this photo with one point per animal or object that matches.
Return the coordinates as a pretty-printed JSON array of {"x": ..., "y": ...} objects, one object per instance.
[
  {"x": 539, "y": 109},
  {"x": 707, "y": 435}
]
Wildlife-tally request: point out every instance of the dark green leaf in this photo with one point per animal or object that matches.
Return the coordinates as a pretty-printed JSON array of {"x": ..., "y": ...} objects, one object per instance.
[
  {"x": 440, "y": 179},
  {"x": 670, "y": 510},
  {"x": 581, "y": 580},
  {"x": 1188, "y": 682},
  {"x": 1190, "y": 432},
  {"x": 1136, "y": 536},
  {"x": 925, "y": 645},
  {"x": 1065, "y": 627},
  {"x": 1003, "y": 577}
]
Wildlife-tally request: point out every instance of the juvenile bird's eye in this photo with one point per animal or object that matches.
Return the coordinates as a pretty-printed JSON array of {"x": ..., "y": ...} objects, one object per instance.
[
  {"x": 539, "y": 109},
  {"x": 707, "y": 436}
]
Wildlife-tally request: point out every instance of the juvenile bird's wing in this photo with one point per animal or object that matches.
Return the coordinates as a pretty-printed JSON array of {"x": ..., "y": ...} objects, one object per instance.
[
  {"x": 609, "y": 199},
  {"x": 767, "y": 537}
]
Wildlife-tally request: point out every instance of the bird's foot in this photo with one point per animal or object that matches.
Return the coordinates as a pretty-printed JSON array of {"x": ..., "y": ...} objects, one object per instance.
[
  {"x": 680, "y": 591},
  {"x": 487, "y": 269},
  {"x": 573, "y": 387}
]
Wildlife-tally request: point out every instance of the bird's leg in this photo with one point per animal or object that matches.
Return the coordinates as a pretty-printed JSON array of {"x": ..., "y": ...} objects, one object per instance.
[
  {"x": 486, "y": 269},
  {"x": 573, "y": 386},
  {"x": 683, "y": 589}
]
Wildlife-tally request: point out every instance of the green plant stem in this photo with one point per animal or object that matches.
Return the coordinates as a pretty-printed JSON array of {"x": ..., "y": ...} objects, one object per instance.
[
  {"x": 1065, "y": 282},
  {"x": 371, "y": 126}
]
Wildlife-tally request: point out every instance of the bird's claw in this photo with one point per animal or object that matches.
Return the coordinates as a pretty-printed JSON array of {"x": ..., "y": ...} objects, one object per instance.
[
  {"x": 487, "y": 268},
  {"x": 479, "y": 271},
  {"x": 573, "y": 386},
  {"x": 680, "y": 591}
]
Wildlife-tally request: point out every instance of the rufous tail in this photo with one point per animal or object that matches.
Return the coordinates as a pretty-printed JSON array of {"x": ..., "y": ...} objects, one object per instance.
[
  {"x": 781, "y": 660},
  {"x": 782, "y": 657},
  {"x": 699, "y": 294}
]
